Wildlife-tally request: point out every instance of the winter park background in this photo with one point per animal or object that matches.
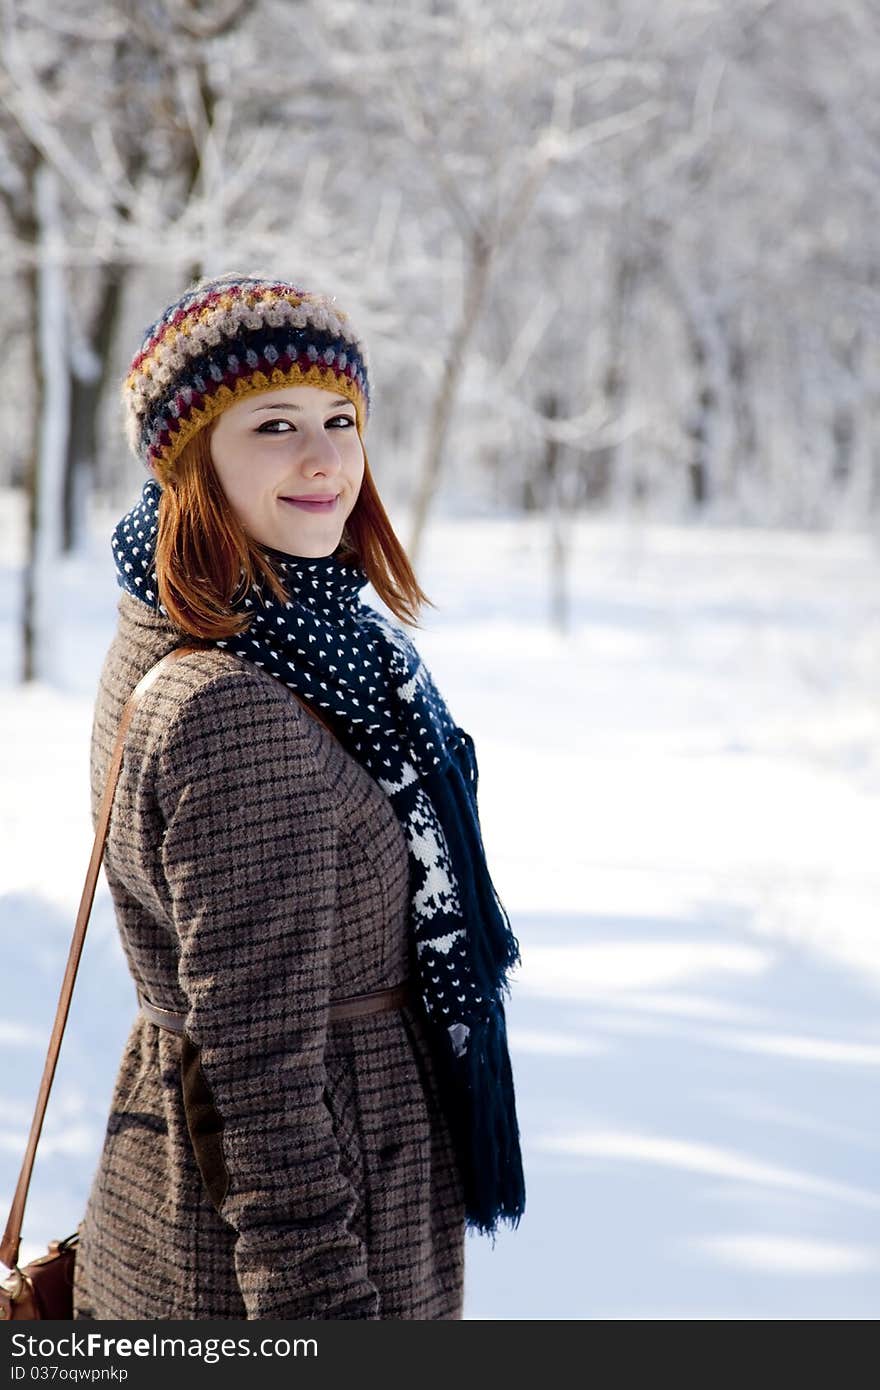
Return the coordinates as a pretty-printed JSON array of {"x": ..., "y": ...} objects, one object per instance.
[{"x": 617, "y": 271}]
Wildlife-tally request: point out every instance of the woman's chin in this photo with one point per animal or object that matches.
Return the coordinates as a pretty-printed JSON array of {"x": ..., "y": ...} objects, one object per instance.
[{"x": 310, "y": 543}]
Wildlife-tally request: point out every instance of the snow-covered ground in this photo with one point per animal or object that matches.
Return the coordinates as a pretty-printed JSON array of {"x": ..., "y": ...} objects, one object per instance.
[{"x": 680, "y": 800}]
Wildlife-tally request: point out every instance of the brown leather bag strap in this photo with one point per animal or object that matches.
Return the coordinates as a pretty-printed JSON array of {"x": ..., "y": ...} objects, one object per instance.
[{"x": 12, "y": 1235}]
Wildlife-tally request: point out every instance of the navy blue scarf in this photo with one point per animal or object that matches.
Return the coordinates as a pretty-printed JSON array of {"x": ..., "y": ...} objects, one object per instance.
[{"x": 366, "y": 677}]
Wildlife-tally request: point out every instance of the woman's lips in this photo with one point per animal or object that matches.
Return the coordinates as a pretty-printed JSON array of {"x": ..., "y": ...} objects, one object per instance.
[{"x": 310, "y": 506}]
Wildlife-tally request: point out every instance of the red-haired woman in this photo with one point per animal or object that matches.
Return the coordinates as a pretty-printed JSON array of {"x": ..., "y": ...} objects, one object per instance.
[{"x": 315, "y": 1100}]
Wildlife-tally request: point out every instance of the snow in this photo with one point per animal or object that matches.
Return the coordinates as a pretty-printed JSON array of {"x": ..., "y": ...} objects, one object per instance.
[{"x": 679, "y": 796}]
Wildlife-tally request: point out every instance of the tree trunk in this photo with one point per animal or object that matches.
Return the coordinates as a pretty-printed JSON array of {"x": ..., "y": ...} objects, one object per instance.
[
  {"x": 472, "y": 303},
  {"x": 554, "y": 503},
  {"x": 745, "y": 427},
  {"x": 602, "y": 461},
  {"x": 88, "y": 384},
  {"x": 710, "y": 465},
  {"x": 31, "y": 281},
  {"x": 52, "y": 377},
  {"x": 24, "y": 221}
]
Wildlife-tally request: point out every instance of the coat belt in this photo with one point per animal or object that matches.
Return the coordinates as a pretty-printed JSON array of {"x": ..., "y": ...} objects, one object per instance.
[{"x": 355, "y": 1005}]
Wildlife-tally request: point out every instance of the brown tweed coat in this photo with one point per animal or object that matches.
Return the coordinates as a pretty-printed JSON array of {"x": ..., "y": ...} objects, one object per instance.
[{"x": 268, "y": 1163}]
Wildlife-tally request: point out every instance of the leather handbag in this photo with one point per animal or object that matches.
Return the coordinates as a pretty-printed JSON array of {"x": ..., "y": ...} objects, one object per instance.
[{"x": 44, "y": 1288}]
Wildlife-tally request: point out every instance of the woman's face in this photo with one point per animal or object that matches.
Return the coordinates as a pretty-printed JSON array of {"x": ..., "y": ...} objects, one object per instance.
[{"x": 290, "y": 442}]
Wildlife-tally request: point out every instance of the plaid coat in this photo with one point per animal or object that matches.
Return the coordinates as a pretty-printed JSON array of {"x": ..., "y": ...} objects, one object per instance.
[{"x": 267, "y": 1163}]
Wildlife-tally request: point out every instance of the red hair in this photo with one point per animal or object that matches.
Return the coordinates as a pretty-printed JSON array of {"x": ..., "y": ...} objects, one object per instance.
[{"x": 202, "y": 549}]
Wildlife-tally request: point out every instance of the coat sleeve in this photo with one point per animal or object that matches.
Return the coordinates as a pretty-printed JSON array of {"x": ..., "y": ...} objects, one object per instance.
[{"x": 249, "y": 855}]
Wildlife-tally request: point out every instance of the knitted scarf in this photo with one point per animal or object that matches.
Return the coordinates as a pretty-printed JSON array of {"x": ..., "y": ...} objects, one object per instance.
[{"x": 366, "y": 677}]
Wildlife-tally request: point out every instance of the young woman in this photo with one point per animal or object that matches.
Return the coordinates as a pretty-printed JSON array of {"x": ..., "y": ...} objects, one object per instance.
[{"x": 315, "y": 1100}]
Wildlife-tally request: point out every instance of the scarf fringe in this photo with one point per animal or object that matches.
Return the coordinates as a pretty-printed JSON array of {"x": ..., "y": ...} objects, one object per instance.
[
  {"x": 478, "y": 1095},
  {"x": 477, "y": 1088}
]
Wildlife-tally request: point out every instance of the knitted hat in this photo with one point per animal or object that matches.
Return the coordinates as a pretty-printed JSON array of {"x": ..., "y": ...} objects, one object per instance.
[{"x": 229, "y": 337}]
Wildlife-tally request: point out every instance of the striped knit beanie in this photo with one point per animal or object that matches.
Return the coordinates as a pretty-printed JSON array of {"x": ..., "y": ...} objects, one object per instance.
[{"x": 228, "y": 337}]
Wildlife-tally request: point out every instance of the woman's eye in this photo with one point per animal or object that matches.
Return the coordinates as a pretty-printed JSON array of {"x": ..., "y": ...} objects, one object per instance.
[{"x": 265, "y": 427}]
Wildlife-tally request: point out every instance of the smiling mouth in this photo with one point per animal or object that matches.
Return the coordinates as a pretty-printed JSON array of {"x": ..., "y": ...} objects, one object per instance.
[{"x": 311, "y": 504}]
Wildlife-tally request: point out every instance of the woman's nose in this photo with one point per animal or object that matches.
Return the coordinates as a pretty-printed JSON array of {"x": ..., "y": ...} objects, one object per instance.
[{"x": 320, "y": 452}]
